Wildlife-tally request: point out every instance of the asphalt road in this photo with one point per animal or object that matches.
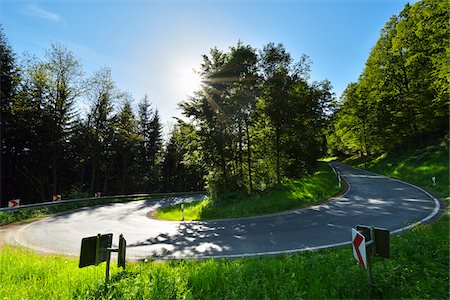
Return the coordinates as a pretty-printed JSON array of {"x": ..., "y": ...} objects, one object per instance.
[{"x": 370, "y": 200}]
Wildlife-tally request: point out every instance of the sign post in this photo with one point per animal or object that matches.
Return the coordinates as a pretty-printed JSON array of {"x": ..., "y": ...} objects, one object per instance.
[
  {"x": 122, "y": 252},
  {"x": 182, "y": 211},
  {"x": 97, "y": 249},
  {"x": 368, "y": 241}
]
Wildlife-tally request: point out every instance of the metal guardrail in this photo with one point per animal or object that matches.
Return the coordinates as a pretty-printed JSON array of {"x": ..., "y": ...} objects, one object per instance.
[{"x": 61, "y": 202}]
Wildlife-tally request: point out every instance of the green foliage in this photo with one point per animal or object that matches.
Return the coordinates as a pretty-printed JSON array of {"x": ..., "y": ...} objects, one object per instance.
[
  {"x": 402, "y": 94},
  {"x": 292, "y": 194},
  {"x": 182, "y": 168},
  {"x": 77, "y": 192},
  {"x": 256, "y": 117},
  {"x": 418, "y": 268}
]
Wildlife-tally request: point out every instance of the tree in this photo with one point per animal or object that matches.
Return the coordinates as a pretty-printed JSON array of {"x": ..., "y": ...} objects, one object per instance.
[
  {"x": 182, "y": 168},
  {"x": 9, "y": 82},
  {"x": 254, "y": 110},
  {"x": 124, "y": 145},
  {"x": 149, "y": 146},
  {"x": 102, "y": 92},
  {"x": 65, "y": 77}
]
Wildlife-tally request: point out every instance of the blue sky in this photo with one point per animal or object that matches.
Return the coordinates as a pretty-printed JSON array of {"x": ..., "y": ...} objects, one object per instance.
[{"x": 152, "y": 47}]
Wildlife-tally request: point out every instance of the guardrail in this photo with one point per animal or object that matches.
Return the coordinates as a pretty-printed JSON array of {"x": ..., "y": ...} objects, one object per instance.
[{"x": 61, "y": 202}]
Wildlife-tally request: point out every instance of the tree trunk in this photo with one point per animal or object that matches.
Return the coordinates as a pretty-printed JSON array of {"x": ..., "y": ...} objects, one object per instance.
[
  {"x": 240, "y": 152},
  {"x": 105, "y": 182},
  {"x": 38, "y": 182},
  {"x": 55, "y": 174},
  {"x": 277, "y": 149},
  {"x": 249, "y": 159},
  {"x": 93, "y": 174}
]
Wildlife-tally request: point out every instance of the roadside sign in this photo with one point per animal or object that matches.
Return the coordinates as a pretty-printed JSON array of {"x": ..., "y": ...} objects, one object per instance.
[
  {"x": 97, "y": 249},
  {"x": 97, "y": 194},
  {"x": 56, "y": 197},
  {"x": 359, "y": 247},
  {"x": 122, "y": 252},
  {"x": 91, "y": 247},
  {"x": 13, "y": 202},
  {"x": 88, "y": 251},
  {"x": 380, "y": 237},
  {"x": 367, "y": 241}
]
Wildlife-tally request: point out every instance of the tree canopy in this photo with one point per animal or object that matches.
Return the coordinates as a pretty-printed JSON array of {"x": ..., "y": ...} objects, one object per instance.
[
  {"x": 257, "y": 118},
  {"x": 402, "y": 95}
]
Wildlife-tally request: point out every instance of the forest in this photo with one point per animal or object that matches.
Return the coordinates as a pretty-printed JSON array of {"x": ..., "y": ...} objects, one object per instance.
[
  {"x": 257, "y": 119},
  {"x": 401, "y": 98}
]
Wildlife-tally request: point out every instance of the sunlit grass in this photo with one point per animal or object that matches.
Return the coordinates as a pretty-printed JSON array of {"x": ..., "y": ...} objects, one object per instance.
[
  {"x": 416, "y": 166},
  {"x": 293, "y": 194},
  {"x": 329, "y": 159},
  {"x": 192, "y": 211}
]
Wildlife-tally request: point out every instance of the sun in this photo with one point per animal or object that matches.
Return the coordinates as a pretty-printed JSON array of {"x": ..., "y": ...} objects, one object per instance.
[{"x": 189, "y": 80}]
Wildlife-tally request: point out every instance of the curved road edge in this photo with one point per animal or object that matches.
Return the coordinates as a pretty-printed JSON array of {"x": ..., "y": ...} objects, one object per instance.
[{"x": 437, "y": 209}]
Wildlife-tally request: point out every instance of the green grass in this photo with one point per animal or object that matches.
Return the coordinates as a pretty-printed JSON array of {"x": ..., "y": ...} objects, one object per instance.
[
  {"x": 415, "y": 166},
  {"x": 418, "y": 269},
  {"x": 293, "y": 194}
]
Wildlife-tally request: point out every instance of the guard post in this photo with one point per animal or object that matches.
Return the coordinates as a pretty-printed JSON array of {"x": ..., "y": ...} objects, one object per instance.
[{"x": 97, "y": 249}]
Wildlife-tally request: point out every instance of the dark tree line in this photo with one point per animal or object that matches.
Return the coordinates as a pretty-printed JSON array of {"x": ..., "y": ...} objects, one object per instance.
[
  {"x": 49, "y": 148},
  {"x": 256, "y": 120},
  {"x": 402, "y": 95}
]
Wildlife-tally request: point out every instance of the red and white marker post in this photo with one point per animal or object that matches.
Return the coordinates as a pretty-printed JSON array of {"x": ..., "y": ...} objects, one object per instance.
[
  {"x": 56, "y": 197},
  {"x": 13, "y": 202}
]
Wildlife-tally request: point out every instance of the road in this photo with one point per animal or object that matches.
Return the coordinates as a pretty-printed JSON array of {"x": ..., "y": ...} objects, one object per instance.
[{"x": 370, "y": 200}]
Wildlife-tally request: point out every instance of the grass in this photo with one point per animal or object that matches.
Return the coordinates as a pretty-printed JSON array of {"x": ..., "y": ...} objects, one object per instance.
[
  {"x": 293, "y": 194},
  {"x": 416, "y": 166},
  {"x": 418, "y": 269}
]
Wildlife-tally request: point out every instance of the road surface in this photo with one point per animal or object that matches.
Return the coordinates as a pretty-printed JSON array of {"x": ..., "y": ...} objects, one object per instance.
[{"x": 370, "y": 200}]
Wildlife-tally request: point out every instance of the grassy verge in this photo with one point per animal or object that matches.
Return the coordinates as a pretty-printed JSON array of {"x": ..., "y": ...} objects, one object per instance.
[
  {"x": 8, "y": 217},
  {"x": 293, "y": 194},
  {"x": 416, "y": 166},
  {"x": 418, "y": 269}
]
